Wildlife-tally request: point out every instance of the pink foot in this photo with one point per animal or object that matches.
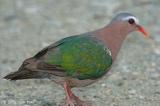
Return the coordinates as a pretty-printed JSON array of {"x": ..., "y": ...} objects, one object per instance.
[
  {"x": 72, "y": 100},
  {"x": 75, "y": 101}
]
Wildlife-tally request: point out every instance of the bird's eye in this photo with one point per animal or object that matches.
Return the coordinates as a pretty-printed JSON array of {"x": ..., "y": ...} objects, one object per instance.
[{"x": 131, "y": 21}]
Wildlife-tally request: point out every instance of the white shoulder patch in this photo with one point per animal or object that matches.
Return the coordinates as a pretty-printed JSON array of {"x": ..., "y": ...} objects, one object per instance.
[{"x": 108, "y": 51}]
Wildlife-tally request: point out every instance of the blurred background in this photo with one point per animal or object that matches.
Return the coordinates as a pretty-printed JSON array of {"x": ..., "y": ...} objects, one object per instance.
[{"x": 26, "y": 26}]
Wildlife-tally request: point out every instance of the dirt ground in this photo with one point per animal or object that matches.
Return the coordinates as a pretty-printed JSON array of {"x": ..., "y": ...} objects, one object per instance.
[{"x": 26, "y": 26}]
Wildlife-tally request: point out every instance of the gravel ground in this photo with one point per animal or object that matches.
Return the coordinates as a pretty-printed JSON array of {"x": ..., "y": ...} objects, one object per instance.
[{"x": 26, "y": 26}]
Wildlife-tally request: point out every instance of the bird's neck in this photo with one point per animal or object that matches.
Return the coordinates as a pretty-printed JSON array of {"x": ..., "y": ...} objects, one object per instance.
[{"x": 113, "y": 37}]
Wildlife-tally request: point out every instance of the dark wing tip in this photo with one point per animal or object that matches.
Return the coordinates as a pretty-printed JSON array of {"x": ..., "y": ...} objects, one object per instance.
[
  {"x": 41, "y": 53},
  {"x": 10, "y": 77}
]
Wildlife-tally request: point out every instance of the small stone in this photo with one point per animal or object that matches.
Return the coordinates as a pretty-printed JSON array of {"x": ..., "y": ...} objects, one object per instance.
[
  {"x": 103, "y": 85},
  {"x": 153, "y": 64},
  {"x": 26, "y": 105},
  {"x": 141, "y": 97},
  {"x": 132, "y": 92},
  {"x": 157, "y": 51}
]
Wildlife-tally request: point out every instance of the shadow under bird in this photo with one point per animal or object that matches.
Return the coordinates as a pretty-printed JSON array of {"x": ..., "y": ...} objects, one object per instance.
[{"x": 79, "y": 60}]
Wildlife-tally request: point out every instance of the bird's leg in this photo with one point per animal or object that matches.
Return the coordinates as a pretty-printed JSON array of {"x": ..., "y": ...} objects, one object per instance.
[
  {"x": 69, "y": 95},
  {"x": 71, "y": 99}
]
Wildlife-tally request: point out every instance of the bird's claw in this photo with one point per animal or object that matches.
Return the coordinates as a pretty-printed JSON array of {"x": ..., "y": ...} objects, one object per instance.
[{"x": 75, "y": 101}]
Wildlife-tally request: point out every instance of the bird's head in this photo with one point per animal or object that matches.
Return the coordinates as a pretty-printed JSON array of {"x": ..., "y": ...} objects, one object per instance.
[{"x": 128, "y": 22}]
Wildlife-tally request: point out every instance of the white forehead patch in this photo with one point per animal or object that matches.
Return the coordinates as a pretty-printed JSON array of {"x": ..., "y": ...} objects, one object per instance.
[{"x": 131, "y": 17}]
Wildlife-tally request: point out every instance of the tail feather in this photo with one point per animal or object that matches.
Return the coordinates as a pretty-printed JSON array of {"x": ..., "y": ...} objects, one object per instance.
[
  {"x": 25, "y": 73},
  {"x": 18, "y": 75}
]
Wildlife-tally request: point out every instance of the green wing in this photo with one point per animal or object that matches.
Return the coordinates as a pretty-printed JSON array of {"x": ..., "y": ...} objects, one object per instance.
[{"x": 81, "y": 57}]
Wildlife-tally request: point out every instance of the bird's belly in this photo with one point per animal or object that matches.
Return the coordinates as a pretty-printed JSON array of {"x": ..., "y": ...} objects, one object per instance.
[{"x": 73, "y": 82}]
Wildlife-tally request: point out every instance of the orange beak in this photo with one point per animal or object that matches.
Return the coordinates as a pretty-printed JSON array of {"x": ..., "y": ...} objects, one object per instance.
[{"x": 142, "y": 30}]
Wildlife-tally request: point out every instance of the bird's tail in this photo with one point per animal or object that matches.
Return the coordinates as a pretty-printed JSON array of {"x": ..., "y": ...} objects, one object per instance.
[
  {"x": 19, "y": 75},
  {"x": 25, "y": 73}
]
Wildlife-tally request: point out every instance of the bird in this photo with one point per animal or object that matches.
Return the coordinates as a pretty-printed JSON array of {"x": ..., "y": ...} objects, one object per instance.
[{"x": 80, "y": 60}]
